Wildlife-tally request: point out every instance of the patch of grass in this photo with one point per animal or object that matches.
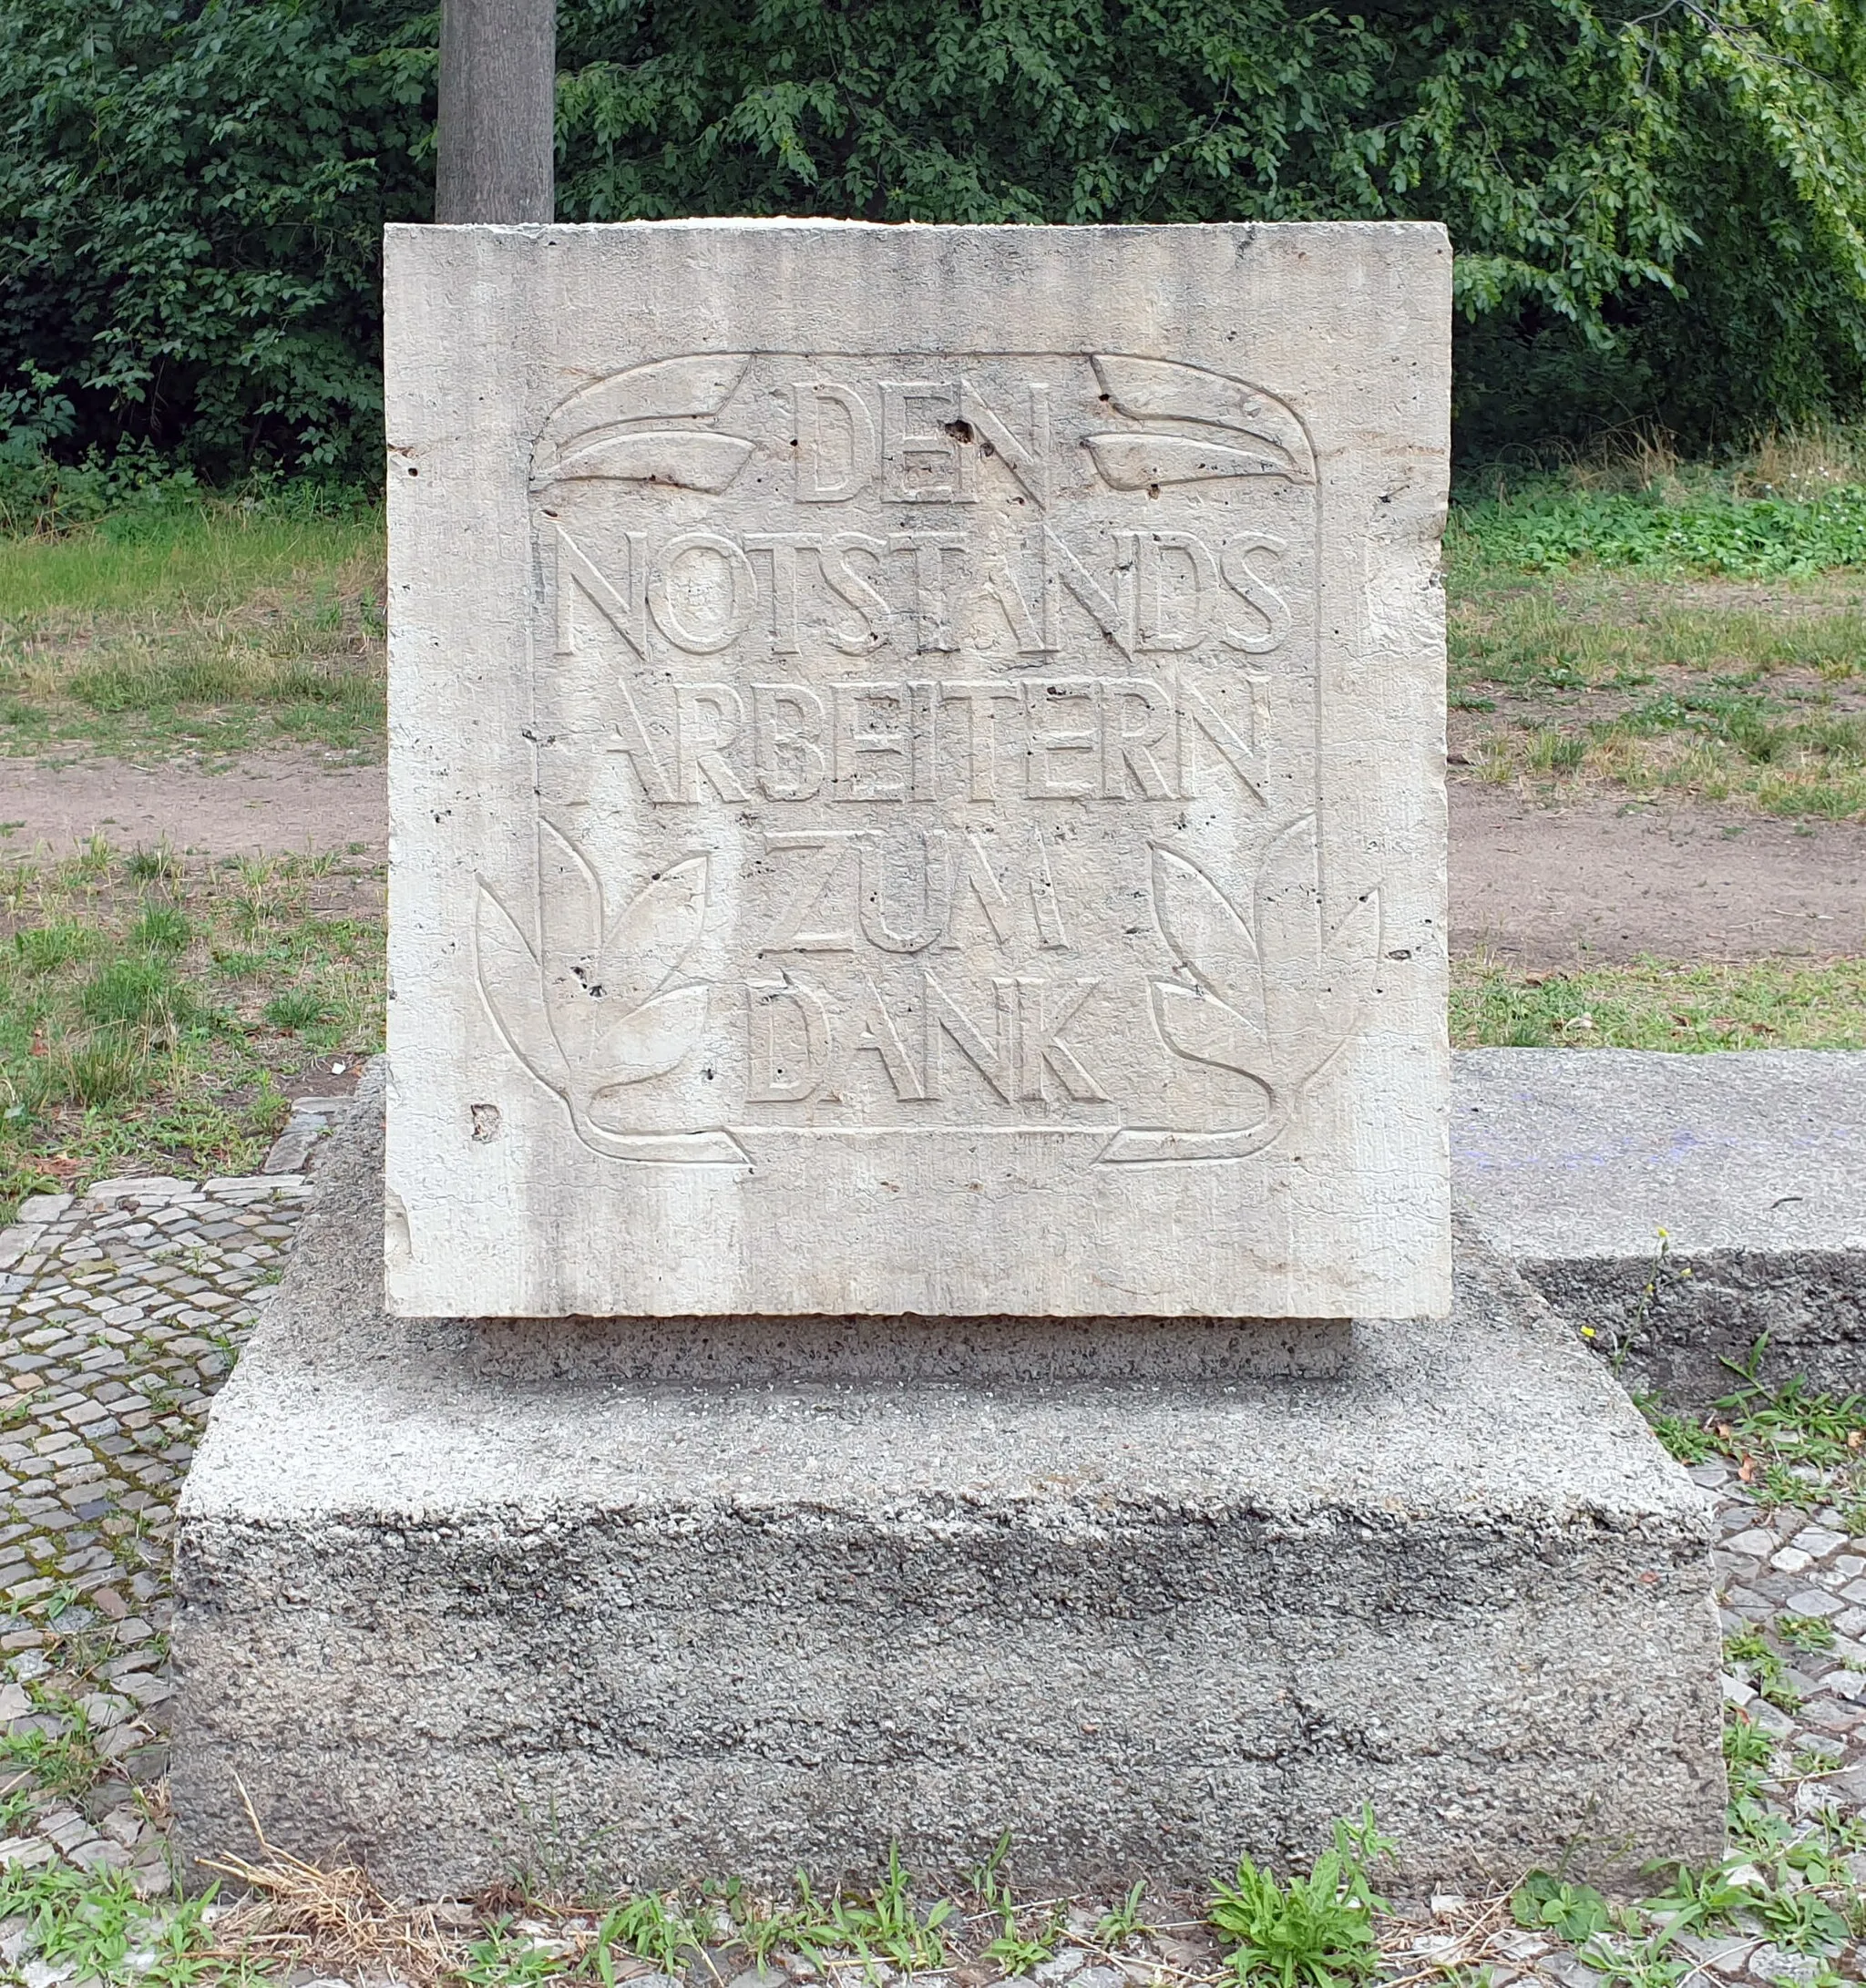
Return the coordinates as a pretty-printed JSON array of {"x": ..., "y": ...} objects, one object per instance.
[
  {"x": 1791, "y": 1447},
  {"x": 44, "y": 948},
  {"x": 162, "y": 928},
  {"x": 214, "y": 628},
  {"x": 1579, "y": 655},
  {"x": 298, "y": 1009},
  {"x": 1675, "y": 528},
  {"x": 190, "y": 560},
  {"x": 112, "y": 1055},
  {"x": 1660, "y": 1004},
  {"x": 105, "y": 1069},
  {"x": 135, "y": 992},
  {"x": 65, "y": 1764}
]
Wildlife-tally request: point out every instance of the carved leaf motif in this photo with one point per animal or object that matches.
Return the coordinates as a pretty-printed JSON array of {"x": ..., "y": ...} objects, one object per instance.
[
  {"x": 1351, "y": 962},
  {"x": 514, "y": 993},
  {"x": 656, "y": 932},
  {"x": 1200, "y": 1026},
  {"x": 694, "y": 387},
  {"x": 569, "y": 920},
  {"x": 1160, "y": 390},
  {"x": 1289, "y": 927},
  {"x": 1203, "y": 929},
  {"x": 693, "y": 460},
  {"x": 1135, "y": 461},
  {"x": 650, "y": 1040}
]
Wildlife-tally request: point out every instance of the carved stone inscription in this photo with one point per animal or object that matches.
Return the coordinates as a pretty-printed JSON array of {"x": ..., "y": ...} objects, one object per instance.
[
  {"x": 925, "y": 745},
  {"x": 914, "y": 770}
]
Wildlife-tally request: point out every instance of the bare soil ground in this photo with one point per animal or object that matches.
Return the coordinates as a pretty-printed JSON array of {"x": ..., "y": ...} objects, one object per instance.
[
  {"x": 1538, "y": 883},
  {"x": 1599, "y": 879},
  {"x": 272, "y": 804}
]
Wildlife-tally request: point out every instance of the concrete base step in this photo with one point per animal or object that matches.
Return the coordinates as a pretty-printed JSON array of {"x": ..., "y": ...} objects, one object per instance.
[{"x": 1679, "y": 1207}]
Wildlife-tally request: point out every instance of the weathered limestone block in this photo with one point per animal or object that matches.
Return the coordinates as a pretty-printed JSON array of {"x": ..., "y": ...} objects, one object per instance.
[
  {"x": 451, "y": 1619},
  {"x": 916, "y": 769}
]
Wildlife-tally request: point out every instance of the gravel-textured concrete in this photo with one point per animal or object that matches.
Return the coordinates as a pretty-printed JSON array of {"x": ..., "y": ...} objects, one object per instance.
[
  {"x": 650, "y": 1629},
  {"x": 67, "y": 1658},
  {"x": 1680, "y": 1206}
]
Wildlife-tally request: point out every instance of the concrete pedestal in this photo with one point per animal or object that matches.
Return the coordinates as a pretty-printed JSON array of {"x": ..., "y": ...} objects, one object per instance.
[
  {"x": 1751, "y": 1168},
  {"x": 454, "y": 1619}
]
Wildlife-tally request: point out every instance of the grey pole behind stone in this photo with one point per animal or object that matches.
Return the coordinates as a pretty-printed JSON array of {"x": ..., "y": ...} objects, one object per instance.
[{"x": 496, "y": 136}]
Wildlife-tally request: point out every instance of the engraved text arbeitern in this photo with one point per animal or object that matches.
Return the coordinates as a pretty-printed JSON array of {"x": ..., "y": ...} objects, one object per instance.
[{"x": 925, "y": 744}]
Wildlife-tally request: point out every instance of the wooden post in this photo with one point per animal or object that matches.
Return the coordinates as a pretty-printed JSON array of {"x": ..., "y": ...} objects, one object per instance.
[{"x": 496, "y": 137}]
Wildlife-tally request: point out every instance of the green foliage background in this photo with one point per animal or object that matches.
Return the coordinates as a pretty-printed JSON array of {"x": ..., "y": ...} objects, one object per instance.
[{"x": 1659, "y": 205}]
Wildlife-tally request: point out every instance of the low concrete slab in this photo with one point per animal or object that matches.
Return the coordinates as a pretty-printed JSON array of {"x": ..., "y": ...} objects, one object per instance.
[
  {"x": 1681, "y": 1206},
  {"x": 452, "y": 1620}
]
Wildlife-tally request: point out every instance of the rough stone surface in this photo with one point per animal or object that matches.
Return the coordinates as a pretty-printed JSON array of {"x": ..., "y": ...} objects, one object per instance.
[
  {"x": 916, "y": 765},
  {"x": 647, "y": 1630},
  {"x": 1679, "y": 1206}
]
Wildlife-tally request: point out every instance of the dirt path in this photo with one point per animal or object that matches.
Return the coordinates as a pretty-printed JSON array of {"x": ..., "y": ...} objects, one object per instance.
[
  {"x": 1553, "y": 886},
  {"x": 275, "y": 802},
  {"x": 1538, "y": 885}
]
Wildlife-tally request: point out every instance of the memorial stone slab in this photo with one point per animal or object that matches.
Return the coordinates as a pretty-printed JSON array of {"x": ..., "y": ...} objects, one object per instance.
[{"x": 915, "y": 770}]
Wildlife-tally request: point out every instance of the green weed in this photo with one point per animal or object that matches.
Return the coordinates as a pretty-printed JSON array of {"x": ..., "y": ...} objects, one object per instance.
[
  {"x": 1126, "y": 1921},
  {"x": 1805, "y": 1632},
  {"x": 62, "y": 1764},
  {"x": 1313, "y": 1932},
  {"x": 1544, "y": 1902},
  {"x": 1746, "y": 1745},
  {"x": 94, "y": 1925},
  {"x": 1016, "y": 1952},
  {"x": 1686, "y": 1440},
  {"x": 886, "y": 1925},
  {"x": 505, "y": 1958},
  {"x": 1548, "y": 528},
  {"x": 1751, "y": 1651}
]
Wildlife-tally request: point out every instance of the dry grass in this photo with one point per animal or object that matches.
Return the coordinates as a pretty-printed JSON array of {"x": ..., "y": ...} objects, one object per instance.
[
  {"x": 1802, "y": 463},
  {"x": 336, "y": 1921},
  {"x": 333, "y": 1918},
  {"x": 1642, "y": 459}
]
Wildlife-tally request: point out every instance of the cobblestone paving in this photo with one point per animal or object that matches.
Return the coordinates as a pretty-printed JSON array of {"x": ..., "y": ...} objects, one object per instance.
[{"x": 122, "y": 1310}]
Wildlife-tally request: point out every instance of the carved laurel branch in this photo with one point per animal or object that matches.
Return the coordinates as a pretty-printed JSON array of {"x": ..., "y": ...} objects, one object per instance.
[
  {"x": 1268, "y": 992},
  {"x": 617, "y": 430},
  {"x": 1204, "y": 426},
  {"x": 597, "y": 1005}
]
